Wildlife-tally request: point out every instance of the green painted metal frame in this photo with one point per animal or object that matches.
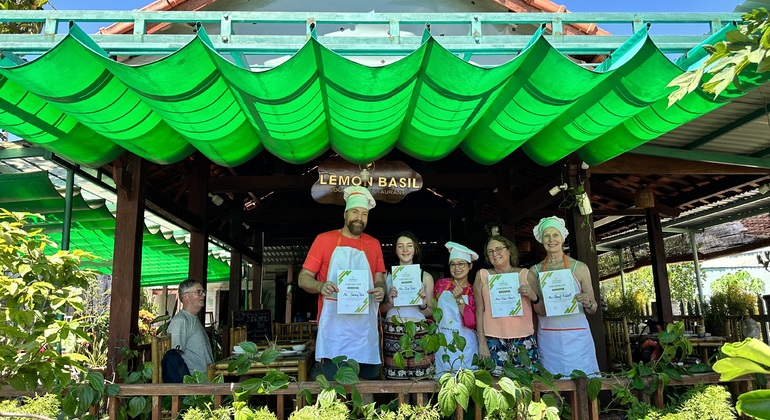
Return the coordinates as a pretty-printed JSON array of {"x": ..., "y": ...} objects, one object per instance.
[
  {"x": 702, "y": 156},
  {"x": 475, "y": 42}
]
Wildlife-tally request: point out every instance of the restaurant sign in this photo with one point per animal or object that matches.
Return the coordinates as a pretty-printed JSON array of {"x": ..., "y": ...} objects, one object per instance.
[{"x": 388, "y": 181}]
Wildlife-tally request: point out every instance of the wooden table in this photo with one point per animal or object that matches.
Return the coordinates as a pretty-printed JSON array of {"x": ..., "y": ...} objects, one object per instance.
[
  {"x": 706, "y": 343},
  {"x": 297, "y": 364}
]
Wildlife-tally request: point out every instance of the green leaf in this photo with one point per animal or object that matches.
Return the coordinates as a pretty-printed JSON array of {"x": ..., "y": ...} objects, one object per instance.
[
  {"x": 467, "y": 378},
  {"x": 136, "y": 406},
  {"x": 353, "y": 365},
  {"x": 85, "y": 398},
  {"x": 418, "y": 357},
  {"x": 356, "y": 397},
  {"x": 462, "y": 394},
  {"x": 398, "y": 359},
  {"x": 594, "y": 387},
  {"x": 494, "y": 401},
  {"x": 483, "y": 378},
  {"x": 507, "y": 385},
  {"x": 339, "y": 359},
  {"x": 322, "y": 381},
  {"x": 733, "y": 367},
  {"x": 112, "y": 390},
  {"x": 445, "y": 401},
  {"x": 755, "y": 403},
  {"x": 308, "y": 396},
  {"x": 736, "y": 36},
  {"x": 411, "y": 329},
  {"x": 327, "y": 397},
  {"x": 346, "y": 376},
  {"x": 70, "y": 404}
]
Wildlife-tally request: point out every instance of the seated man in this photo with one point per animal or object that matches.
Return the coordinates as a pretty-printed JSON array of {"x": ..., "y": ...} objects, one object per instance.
[{"x": 186, "y": 329}]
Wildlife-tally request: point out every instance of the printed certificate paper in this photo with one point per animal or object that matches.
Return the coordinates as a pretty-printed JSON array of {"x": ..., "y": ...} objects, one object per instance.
[
  {"x": 407, "y": 279},
  {"x": 558, "y": 288},
  {"x": 504, "y": 295},
  {"x": 353, "y": 297}
]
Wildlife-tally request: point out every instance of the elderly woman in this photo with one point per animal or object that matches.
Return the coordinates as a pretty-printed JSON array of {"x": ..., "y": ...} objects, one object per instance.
[
  {"x": 408, "y": 251},
  {"x": 565, "y": 341},
  {"x": 458, "y": 307},
  {"x": 503, "y": 337}
]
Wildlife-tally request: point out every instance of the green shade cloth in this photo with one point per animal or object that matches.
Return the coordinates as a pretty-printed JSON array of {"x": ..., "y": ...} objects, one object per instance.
[
  {"x": 164, "y": 260},
  {"x": 80, "y": 104}
]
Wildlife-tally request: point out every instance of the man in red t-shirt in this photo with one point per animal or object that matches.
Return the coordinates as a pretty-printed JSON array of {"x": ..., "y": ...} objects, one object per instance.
[{"x": 355, "y": 336}]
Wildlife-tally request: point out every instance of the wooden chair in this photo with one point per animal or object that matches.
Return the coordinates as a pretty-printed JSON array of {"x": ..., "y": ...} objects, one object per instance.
[
  {"x": 237, "y": 335},
  {"x": 690, "y": 321},
  {"x": 618, "y": 342},
  {"x": 158, "y": 347},
  {"x": 293, "y": 331}
]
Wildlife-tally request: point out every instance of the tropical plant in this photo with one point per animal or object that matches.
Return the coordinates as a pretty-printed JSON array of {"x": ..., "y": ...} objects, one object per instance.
[
  {"x": 732, "y": 300},
  {"x": 629, "y": 306},
  {"x": 742, "y": 279},
  {"x": 37, "y": 289},
  {"x": 683, "y": 282},
  {"x": 745, "y": 48},
  {"x": 21, "y": 27},
  {"x": 750, "y": 356}
]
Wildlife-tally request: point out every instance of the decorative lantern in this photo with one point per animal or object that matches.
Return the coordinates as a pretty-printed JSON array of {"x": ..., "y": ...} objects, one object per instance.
[{"x": 644, "y": 198}]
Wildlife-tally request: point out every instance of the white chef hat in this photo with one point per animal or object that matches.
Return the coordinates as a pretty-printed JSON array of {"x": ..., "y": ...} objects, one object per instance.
[
  {"x": 358, "y": 197},
  {"x": 546, "y": 222},
  {"x": 460, "y": 251}
]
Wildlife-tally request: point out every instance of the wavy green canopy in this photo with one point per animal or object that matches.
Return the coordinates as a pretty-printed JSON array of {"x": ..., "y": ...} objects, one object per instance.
[
  {"x": 164, "y": 260},
  {"x": 80, "y": 104}
]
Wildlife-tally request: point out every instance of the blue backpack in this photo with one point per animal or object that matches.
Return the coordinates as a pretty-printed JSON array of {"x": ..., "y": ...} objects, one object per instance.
[{"x": 173, "y": 367}]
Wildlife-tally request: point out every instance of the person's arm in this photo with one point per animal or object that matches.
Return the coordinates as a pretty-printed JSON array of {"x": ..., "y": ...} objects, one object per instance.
[
  {"x": 479, "y": 298},
  {"x": 179, "y": 332},
  {"x": 308, "y": 282},
  {"x": 387, "y": 304},
  {"x": 586, "y": 297},
  {"x": 534, "y": 284},
  {"x": 427, "y": 294}
]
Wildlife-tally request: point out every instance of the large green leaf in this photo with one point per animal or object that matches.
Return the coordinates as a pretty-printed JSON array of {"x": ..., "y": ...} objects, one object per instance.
[{"x": 755, "y": 403}]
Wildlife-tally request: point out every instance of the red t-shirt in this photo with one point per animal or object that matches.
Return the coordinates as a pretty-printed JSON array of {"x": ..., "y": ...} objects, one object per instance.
[{"x": 320, "y": 255}]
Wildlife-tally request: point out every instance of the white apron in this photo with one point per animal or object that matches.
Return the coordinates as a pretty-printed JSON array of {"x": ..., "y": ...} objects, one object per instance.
[
  {"x": 354, "y": 336},
  {"x": 566, "y": 342},
  {"x": 453, "y": 321}
]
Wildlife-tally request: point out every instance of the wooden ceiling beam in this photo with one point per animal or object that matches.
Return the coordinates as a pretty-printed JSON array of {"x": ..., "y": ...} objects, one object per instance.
[
  {"x": 629, "y": 163},
  {"x": 286, "y": 183},
  {"x": 627, "y": 198},
  {"x": 335, "y": 212}
]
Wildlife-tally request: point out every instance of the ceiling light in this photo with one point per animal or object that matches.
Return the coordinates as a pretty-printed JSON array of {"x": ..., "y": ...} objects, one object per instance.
[{"x": 217, "y": 200}]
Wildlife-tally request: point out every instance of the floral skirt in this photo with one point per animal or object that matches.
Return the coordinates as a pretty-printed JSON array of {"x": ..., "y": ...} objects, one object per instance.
[{"x": 507, "y": 350}]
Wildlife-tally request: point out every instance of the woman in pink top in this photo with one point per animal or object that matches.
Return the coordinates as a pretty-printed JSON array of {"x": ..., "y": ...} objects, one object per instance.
[
  {"x": 503, "y": 338},
  {"x": 454, "y": 298}
]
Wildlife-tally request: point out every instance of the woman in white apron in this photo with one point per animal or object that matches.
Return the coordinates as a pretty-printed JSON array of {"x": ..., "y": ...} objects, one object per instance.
[
  {"x": 565, "y": 341},
  {"x": 455, "y": 299},
  {"x": 408, "y": 252}
]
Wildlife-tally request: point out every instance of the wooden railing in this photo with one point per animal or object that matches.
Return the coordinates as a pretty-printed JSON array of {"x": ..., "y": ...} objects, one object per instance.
[{"x": 575, "y": 390}]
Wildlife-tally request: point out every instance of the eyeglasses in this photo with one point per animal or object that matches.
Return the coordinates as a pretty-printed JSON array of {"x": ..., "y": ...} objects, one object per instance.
[
  {"x": 458, "y": 265},
  {"x": 200, "y": 292},
  {"x": 498, "y": 250}
]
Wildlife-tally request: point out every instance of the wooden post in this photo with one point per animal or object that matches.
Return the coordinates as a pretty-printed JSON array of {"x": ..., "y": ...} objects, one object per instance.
[
  {"x": 199, "y": 237},
  {"x": 583, "y": 248},
  {"x": 127, "y": 257},
  {"x": 659, "y": 272},
  {"x": 236, "y": 259}
]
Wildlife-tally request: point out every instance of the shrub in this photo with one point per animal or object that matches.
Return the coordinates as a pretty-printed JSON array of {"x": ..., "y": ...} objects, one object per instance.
[
  {"x": 43, "y": 405},
  {"x": 700, "y": 402},
  {"x": 206, "y": 414},
  {"x": 336, "y": 410}
]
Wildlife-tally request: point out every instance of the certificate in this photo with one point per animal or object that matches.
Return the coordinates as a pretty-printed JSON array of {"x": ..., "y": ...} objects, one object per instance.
[
  {"x": 558, "y": 288},
  {"x": 504, "y": 296},
  {"x": 353, "y": 297},
  {"x": 407, "y": 279}
]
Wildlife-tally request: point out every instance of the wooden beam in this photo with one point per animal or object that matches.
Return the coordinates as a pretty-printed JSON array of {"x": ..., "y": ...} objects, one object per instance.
[
  {"x": 287, "y": 183},
  {"x": 626, "y": 197},
  {"x": 335, "y": 212},
  {"x": 582, "y": 248},
  {"x": 199, "y": 236},
  {"x": 651, "y": 165},
  {"x": 127, "y": 259},
  {"x": 236, "y": 261},
  {"x": 659, "y": 272}
]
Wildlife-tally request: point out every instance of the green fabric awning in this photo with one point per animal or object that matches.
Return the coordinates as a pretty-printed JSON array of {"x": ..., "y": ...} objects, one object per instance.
[
  {"x": 164, "y": 260},
  {"x": 80, "y": 104}
]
